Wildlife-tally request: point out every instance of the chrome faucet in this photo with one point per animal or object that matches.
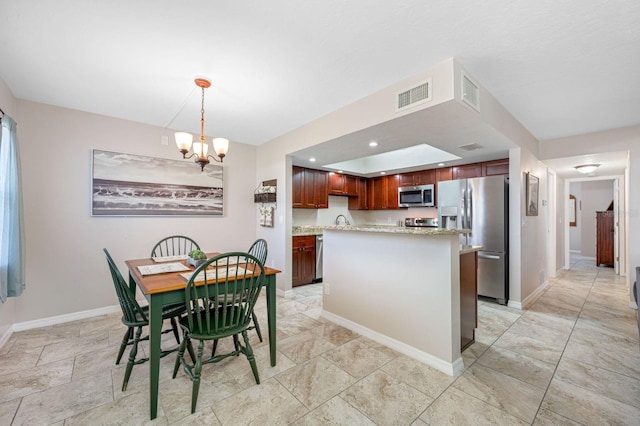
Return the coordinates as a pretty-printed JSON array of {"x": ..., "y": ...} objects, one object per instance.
[{"x": 345, "y": 222}]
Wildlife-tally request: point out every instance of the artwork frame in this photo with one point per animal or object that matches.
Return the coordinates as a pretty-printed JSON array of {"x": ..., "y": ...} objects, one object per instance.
[
  {"x": 135, "y": 185},
  {"x": 532, "y": 190}
]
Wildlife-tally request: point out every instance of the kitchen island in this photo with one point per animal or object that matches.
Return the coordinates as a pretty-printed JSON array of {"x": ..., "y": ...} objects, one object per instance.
[{"x": 398, "y": 286}]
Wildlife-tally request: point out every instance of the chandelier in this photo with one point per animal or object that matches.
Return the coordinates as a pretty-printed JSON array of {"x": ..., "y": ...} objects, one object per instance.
[{"x": 200, "y": 149}]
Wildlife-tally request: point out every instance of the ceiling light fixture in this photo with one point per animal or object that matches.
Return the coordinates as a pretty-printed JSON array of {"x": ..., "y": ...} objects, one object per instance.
[
  {"x": 440, "y": 164},
  {"x": 587, "y": 168},
  {"x": 200, "y": 149},
  {"x": 313, "y": 160},
  {"x": 373, "y": 144}
]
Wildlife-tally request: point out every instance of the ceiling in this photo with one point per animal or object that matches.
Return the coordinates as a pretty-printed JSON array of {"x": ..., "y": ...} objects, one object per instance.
[{"x": 561, "y": 68}]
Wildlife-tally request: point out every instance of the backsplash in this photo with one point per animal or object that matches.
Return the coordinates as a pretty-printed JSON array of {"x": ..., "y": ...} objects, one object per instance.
[{"x": 340, "y": 205}]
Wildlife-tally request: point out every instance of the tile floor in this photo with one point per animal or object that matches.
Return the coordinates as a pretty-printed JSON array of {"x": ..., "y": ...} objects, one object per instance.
[{"x": 572, "y": 358}]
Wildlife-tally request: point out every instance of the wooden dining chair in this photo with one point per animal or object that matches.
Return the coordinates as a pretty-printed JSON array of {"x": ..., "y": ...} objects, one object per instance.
[
  {"x": 235, "y": 280},
  {"x": 174, "y": 245},
  {"x": 134, "y": 317},
  {"x": 259, "y": 250}
]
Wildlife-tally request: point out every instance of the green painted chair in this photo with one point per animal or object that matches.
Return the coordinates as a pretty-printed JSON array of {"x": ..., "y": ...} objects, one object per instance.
[
  {"x": 234, "y": 280},
  {"x": 174, "y": 245},
  {"x": 259, "y": 250},
  {"x": 135, "y": 317}
]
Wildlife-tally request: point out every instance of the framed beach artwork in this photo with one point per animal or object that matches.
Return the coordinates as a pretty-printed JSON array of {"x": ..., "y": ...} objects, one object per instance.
[
  {"x": 532, "y": 195},
  {"x": 135, "y": 185}
]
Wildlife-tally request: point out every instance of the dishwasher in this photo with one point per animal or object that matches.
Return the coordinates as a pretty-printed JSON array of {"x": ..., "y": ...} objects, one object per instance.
[{"x": 318, "y": 277}]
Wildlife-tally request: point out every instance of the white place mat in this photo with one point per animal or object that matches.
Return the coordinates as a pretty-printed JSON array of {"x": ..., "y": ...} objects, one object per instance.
[
  {"x": 170, "y": 258},
  {"x": 222, "y": 273},
  {"x": 162, "y": 268}
]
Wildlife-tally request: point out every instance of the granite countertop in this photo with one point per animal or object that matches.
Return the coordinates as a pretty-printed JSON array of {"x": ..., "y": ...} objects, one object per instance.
[
  {"x": 316, "y": 230},
  {"x": 301, "y": 231}
]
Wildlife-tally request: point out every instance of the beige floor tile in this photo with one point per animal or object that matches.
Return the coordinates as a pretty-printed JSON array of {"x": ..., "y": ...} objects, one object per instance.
[
  {"x": 40, "y": 337},
  {"x": 74, "y": 346},
  {"x": 616, "y": 386},
  {"x": 334, "y": 333},
  {"x": 549, "y": 418},
  {"x": 386, "y": 400},
  {"x": 477, "y": 349},
  {"x": 304, "y": 346},
  {"x": 542, "y": 343},
  {"x": 97, "y": 361},
  {"x": 60, "y": 402},
  {"x": 517, "y": 398},
  {"x": 334, "y": 412},
  {"x": 296, "y": 324},
  {"x": 521, "y": 367},
  {"x": 390, "y": 353},
  {"x": 420, "y": 376},
  {"x": 605, "y": 350},
  {"x": 315, "y": 382},
  {"x": 267, "y": 404},
  {"x": 10, "y": 363},
  {"x": 357, "y": 358},
  {"x": 547, "y": 320},
  {"x": 587, "y": 407},
  {"x": 8, "y": 411},
  {"x": 199, "y": 418},
  {"x": 455, "y": 407},
  {"x": 36, "y": 379},
  {"x": 130, "y": 410}
]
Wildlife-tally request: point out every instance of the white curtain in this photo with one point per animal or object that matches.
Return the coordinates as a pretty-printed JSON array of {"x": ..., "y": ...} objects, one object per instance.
[{"x": 11, "y": 219}]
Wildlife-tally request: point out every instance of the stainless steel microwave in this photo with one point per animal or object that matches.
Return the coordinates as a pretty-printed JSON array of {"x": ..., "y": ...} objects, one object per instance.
[{"x": 416, "y": 196}]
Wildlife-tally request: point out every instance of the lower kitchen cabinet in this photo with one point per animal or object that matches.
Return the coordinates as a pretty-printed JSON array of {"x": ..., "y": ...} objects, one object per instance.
[
  {"x": 303, "y": 260},
  {"x": 468, "y": 298}
]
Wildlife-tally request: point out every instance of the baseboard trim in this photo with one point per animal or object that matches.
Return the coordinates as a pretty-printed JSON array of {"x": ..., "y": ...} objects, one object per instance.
[
  {"x": 60, "y": 319},
  {"x": 450, "y": 368},
  {"x": 530, "y": 299}
]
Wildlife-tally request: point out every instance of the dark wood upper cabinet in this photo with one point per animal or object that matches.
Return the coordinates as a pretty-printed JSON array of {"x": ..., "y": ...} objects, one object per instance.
[
  {"x": 309, "y": 188},
  {"x": 383, "y": 192},
  {"x": 444, "y": 173},
  {"x": 341, "y": 184},
  {"x": 422, "y": 177},
  {"x": 359, "y": 202},
  {"x": 467, "y": 171},
  {"x": 496, "y": 167}
]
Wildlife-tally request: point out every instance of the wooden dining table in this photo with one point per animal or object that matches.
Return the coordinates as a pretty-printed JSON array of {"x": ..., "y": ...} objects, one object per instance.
[{"x": 169, "y": 288}]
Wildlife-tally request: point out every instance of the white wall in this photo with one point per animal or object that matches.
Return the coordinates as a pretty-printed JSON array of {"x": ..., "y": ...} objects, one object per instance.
[
  {"x": 7, "y": 311},
  {"x": 624, "y": 139},
  {"x": 575, "y": 232},
  {"x": 66, "y": 271},
  {"x": 596, "y": 196},
  {"x": 560, "y": 223}
]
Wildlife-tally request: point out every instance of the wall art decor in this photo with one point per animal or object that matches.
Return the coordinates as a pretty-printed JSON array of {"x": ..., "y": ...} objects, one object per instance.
[
  {"x": 532, "y": 195},
  {"x": 135, "y": 185}
]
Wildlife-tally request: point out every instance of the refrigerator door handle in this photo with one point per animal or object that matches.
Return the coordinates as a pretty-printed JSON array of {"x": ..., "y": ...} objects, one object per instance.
[
  {"x": 470, "y": 206},
  {"x": 488, "y": 256}
]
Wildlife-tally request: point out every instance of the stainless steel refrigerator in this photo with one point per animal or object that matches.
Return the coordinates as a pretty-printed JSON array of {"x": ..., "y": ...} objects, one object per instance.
[{"x": 482, "y": 205}]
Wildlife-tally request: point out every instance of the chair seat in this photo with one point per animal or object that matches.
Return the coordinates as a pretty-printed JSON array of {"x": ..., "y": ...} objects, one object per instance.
[
  {"x": 209, "y": 323},
  {"x": 167, "y": 312}
]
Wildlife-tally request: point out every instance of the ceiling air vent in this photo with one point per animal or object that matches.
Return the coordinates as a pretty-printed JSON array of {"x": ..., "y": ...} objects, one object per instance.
[
  {"x": 414, "y": 96},
  {"x": 471, "y": 147},
  {"x": 470, "y": 92}
]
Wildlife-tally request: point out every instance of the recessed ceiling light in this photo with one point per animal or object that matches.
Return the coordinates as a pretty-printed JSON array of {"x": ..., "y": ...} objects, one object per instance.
[
  {"x": 373, "y": 144},
  {"x": 440, "y": 164},
  {"x": 383, "y": 173},
  {"x": 340, "y": 171},
  {"x": 313, "y": 160}
]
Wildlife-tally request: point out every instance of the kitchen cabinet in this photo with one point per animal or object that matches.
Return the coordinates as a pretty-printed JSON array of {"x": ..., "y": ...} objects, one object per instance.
[
  {"x": 466, "y": 171},
  {"x": 604, "y": 238},
  {"x": 303, "y": 260},
  {"x": 444, "y": 173},
  {"x": 496, "y": 167},
  {"x": 341, "y": 184},
  {"x": 468, "y": 298},
  {"x": 383, "y": 192},
  {"x": 309, "y": 188},
  {"x": 421, "y": 177},
  {"x": 359, "y": 202}
]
